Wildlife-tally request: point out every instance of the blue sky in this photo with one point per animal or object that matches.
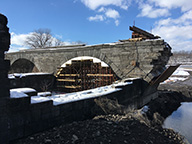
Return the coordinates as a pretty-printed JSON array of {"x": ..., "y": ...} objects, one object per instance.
[{"x": 99, "y": 21}]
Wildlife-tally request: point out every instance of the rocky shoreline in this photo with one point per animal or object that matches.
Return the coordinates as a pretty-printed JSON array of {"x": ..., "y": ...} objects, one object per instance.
[{"x": 134, "y": 126}]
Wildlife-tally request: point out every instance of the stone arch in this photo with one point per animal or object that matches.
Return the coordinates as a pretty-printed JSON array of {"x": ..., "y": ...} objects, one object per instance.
[
  {"x": 96, "y": 54},
  {"x": 82, "y": 73},
  {"x": 23, "y": 66}
]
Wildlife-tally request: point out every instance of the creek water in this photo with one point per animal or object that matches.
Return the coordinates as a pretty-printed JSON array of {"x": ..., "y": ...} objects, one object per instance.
[{"x": 181, "y": 120}]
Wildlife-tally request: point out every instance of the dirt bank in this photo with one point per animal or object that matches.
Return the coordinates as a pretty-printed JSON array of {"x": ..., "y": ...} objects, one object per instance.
[
  {"x": 134, "y": 127},
  {"x": 185, "y": 87}
]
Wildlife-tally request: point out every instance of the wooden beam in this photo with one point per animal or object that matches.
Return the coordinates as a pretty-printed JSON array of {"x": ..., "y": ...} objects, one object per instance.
[{"x": 140, "y": 31}]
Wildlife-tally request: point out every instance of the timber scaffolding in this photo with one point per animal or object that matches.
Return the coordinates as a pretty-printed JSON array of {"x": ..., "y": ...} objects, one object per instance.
[{"x": 83, "y": 75}]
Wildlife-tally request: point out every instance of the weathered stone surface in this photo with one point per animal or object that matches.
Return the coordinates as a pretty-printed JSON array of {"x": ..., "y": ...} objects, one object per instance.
[
  {"x": 4, "y": 64},
  {"x": 117, "y": 55},
  {"x": 4, "y": 85},
  {"x": 4, "y": 34}
]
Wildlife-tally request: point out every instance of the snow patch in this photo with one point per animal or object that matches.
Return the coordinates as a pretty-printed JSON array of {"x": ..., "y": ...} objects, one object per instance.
[
  {"x": 180, "y": 74},
  {"x": 17, "y": 94},
  {"x": 20, "y": 75},
  {"x": 24, "y": 90},
  {"x": 44, "y": 94},
  {"x": 20, "y": 92},
  {"x": 76, "y": 96}
]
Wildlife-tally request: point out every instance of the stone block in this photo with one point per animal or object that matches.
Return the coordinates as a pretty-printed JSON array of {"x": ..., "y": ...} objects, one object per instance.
[
  {"x": 96, "y": 53},
  {"x": 4, "y": 137},
  {"x": 4, "y": 92},
  {"x": 56, "y": 111},
  {"x": 4, "y": 123},
  {"x": 80, "y": 53},
  {"x": 35, "y": 115},
  {"x": 2, "y": 55},
  {"x": 46, "y": 113},
  {"x": 16, "y": 133},
  {"x": 42, "y": 105},
  {"x": 102, "y": 56},
  {"x": 32, "y": 128},
  {"x": 18, "y": 104}
]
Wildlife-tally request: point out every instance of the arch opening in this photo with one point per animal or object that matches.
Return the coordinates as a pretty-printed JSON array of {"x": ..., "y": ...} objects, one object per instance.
[
  {"x": 23, "y": 66},
  {"x": 83, "y": 73}
]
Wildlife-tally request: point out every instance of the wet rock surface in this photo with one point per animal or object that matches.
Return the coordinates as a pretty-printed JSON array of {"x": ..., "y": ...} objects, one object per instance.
[{"x": 134, "y": 127}]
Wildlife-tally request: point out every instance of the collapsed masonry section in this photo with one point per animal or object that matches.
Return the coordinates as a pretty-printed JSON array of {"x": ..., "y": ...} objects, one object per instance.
[
  {"x": 4, "y": 64},
  {"x": 82, "y": 75},
  {"x": 152, "y": 57}
]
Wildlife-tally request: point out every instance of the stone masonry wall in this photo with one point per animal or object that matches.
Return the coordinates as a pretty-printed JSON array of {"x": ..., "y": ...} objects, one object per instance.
[
  {"x": 145, "y": 59},
  {"x": 4, "y": 64},
  {"x": 4, "y": 82},
  {"x": 24, "y": 118}
]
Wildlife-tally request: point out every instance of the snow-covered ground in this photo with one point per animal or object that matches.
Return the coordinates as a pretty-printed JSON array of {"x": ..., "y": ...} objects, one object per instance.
[
  {"x": 71, "y": 97},
  {"x": 181, "y": 74}
]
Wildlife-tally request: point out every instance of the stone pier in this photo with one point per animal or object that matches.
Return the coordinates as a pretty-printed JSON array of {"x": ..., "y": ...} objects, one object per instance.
[{"x": 4, "y": 81}]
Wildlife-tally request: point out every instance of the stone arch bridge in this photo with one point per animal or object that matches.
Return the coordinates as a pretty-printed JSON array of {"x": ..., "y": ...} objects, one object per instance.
[{"x": 146, "y": 59}]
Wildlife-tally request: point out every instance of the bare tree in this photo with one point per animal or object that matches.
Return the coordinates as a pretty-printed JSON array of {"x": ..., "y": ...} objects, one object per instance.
[{"x": 42, "y": 38}]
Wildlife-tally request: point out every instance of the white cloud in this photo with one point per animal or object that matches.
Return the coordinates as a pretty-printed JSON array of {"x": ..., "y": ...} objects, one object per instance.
[
  {"x": 148, "y": 11},
  {"x": 58, "y": 36},
  {"x": 185, "y": 5},
  {"x": 102, "y": 9},
  {"x": 15, "y": 48},
  {"x": 111, "y": 13},
  {"x": 96, "y": 18},
  {"x": 116, "y": 22},
  {"x": 99, "y": 6},
  {"x": 18, "y": 39},
  {"x": 94, "y": 4},
  {"x": 177, "y": 31},
  {"x": 18, "y": 42}
]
